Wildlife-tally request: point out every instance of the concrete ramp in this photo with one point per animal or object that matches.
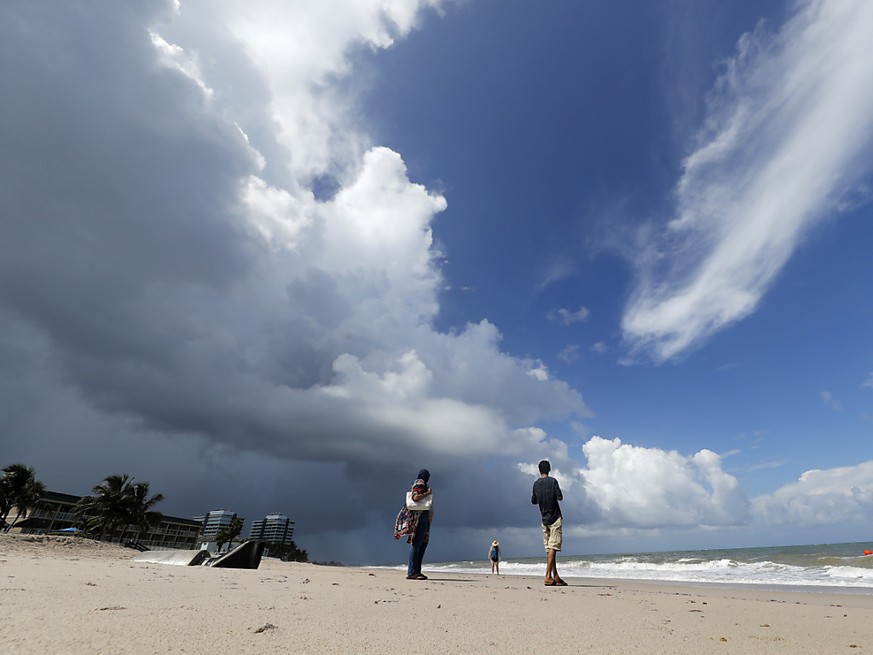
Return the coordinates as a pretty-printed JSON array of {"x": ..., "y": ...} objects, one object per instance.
[
  {"x": 245, "y": 556},
  {"x": 174, "y": 557}
]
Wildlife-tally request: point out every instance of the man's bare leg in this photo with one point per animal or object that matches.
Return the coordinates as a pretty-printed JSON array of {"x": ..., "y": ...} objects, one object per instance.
[
  {"x": 552, "y": 568},
  {"x": 557, "y": 578},
  {"x": 551, "y": 571}
]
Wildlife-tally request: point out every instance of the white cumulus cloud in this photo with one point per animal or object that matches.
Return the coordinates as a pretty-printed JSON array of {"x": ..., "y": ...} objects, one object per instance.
[
  {"x": 842, "y": 495},
  {"x": 638, "y": 487}
]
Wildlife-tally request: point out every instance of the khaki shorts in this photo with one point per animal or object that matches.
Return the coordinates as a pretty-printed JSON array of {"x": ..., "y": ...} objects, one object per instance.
[{"x": 553, "y": 535}]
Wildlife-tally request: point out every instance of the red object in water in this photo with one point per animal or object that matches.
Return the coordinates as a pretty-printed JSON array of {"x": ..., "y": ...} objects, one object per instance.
[{"x": 868, "y": 552}]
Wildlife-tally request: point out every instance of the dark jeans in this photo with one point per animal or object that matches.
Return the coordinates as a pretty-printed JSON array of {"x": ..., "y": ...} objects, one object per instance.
[{"x": 419, "y": 545}]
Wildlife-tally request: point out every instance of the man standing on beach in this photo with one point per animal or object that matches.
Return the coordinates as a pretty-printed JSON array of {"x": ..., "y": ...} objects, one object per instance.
[{"x": 546, "y": 494}]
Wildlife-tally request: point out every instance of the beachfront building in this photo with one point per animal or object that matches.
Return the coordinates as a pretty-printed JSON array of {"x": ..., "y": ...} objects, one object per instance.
[
  {"x": 172, "y": 532},
  {"x": 215, "y": 521},
  {"x": 273, "y": 529},
  {"x": 56, "y": 513}
]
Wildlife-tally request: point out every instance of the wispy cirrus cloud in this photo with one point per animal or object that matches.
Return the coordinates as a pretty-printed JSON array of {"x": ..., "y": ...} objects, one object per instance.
[
  {"x": 765, "y": 466},
  {"x": 570, "y": 353},
  {"x": 828, "y": 399},
  {"x": 569, "y": 316},
  {"x": 556, "y": 269},
  {"x": 788, "y": 136}
]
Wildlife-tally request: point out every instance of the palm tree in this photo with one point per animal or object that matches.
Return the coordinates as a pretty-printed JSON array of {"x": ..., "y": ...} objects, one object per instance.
[
  {"x": 228, "y": 533},
  {"x": 140, "y": 508},
  {"x": 118, "y": 502},
  {"x": 106, "y": 508},
  {"x": 20, "y": 489},
  {"x": 5, "y": 501}
]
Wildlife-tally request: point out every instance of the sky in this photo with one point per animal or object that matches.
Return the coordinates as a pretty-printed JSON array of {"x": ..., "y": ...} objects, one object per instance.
[{"x": 277, "y": 256}]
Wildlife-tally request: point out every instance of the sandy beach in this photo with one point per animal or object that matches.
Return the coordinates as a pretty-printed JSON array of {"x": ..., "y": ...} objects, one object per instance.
[{"x": 63, "y": 594}]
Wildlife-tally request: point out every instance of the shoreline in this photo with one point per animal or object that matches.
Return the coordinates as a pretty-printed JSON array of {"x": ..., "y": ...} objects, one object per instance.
[
  {"x": 763, "y": 586},
  {"x": 93, "y": 598},
  {"x": 767, "y": 587}
]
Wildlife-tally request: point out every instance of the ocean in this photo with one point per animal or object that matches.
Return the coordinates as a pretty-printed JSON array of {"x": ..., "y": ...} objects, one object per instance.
[{"x": 841, "y": 567}]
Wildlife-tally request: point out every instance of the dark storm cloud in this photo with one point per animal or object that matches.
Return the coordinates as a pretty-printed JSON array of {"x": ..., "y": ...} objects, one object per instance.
[
  {"x": 104, "y": 193},
  {"x": 168, "y": 313}
]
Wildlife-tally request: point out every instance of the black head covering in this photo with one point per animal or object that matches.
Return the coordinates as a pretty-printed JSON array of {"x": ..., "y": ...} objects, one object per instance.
[{"x": 424, "y": 474}]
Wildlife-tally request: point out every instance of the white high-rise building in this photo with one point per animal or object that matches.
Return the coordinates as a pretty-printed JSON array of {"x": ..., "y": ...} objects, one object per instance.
[
  {"x": 273, "y": 529},
  {"x": 215, "y": 521}
]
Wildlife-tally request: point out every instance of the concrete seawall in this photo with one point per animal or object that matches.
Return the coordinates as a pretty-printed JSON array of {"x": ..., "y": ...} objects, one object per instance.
[{"x": 174, "y": 557}]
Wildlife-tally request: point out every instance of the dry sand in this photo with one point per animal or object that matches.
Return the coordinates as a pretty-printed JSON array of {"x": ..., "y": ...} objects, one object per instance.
[{"x": 67, "y": 595}]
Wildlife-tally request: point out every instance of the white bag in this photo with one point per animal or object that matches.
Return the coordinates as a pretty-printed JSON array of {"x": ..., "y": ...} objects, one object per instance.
[{"x": 422, "y": 505}]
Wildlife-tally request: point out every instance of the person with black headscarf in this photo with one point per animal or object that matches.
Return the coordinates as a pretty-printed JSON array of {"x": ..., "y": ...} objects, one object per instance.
[{"x": 420, "y": 534}]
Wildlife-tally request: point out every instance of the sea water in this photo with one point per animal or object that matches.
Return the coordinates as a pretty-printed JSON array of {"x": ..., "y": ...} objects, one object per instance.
[{"x": 842, "y": 566}]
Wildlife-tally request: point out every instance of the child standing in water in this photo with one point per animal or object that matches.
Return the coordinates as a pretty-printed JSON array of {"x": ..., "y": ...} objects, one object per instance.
[{"x": 494, "y": 556}]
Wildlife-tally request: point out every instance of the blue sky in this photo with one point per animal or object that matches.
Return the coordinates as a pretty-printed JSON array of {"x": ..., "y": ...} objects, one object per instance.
[{"x": 278, "y": 257}]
